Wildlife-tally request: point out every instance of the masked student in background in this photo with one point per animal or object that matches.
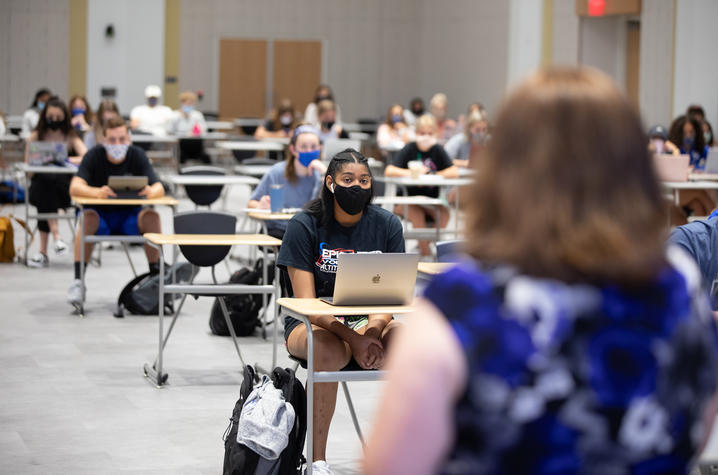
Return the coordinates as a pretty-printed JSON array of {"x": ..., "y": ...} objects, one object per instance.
[{"x": 299, "y": 177}]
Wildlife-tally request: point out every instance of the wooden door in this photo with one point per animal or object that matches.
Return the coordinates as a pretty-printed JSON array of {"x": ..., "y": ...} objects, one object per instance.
[
  {"x": 297, "y": 71},
  {"x": 633, "y": 54},
  {"x": 242, "y": 78}
]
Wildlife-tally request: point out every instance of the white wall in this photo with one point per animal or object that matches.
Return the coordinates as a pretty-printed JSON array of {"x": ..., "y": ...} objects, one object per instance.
[
  {"x": 566, "y": 38},
  {"x": 525, "y": 28},
  {"x": 656, "y": 62},
  {"x": 132, "y": 59},
  {"x": 696, "y": 68},
  {"x": 34, "y": 39},
  {"x": 603, "y": 45}
]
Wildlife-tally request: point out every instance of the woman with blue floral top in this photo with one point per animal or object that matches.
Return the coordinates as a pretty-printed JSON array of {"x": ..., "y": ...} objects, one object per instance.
[{"x": 570, "y": 339}]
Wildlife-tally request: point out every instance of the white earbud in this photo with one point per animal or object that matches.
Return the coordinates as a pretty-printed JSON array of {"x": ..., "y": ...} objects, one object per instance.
[{"x": 331, "y": 187}]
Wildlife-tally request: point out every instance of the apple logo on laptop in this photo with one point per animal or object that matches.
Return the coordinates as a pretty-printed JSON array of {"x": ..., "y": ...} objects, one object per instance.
[{"x": 376, "y": 279}]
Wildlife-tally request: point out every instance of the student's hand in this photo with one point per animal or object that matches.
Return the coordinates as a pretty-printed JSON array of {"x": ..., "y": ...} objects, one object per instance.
[
  {"x": 365, "y": 350},
  {"x": 317, "y": 165},
  {"x": 79, "y": 119},
  {"x": 105, "y": 192},
  {"x": 145, "y": 191},
  {"x": 264, "y": 202}
]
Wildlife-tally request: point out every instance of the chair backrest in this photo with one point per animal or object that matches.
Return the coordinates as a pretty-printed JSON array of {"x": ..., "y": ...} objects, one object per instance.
[
  {"x": 448, "y": 251},
  {"x": 333, "y": 146},
  {"x": 203, "y": 195},
  {"x": 204, "y": 222},
  {"x": 258, "y": 161},
  {"x": 203, "y": 170}
]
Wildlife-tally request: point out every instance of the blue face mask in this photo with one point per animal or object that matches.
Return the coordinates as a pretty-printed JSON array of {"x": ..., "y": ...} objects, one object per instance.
[
  {"x": 397, "y": 118},
  {"x": 187, "y": 109},
  {"x": 688, "y": 142},
  {"x": 40, "y": 105},
  {"x": 152, "y": 101},
  {"x": 305, "y": 158},
  {"x": 77, "y": 111}
]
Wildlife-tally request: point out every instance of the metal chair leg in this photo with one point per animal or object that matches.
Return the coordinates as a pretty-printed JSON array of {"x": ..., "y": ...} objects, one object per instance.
[
  {"x": 127, "y": 253},
  {"x": 345, "y": 389}
]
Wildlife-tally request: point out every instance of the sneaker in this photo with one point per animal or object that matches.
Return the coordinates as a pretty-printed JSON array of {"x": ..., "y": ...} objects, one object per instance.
[
  {"x": 321, "y": 467},
  {"x": 75, "y": 295},
  {"x": 60, "y": 247},
  {"x": 39, "y": 260}
]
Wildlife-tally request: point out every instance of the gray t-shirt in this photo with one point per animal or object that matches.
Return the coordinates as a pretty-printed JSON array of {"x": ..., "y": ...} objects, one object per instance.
[
  {"x": 458, "y": 147},
  {"x": 700, "y": 239},
  {"x": 296, "y": 194}
]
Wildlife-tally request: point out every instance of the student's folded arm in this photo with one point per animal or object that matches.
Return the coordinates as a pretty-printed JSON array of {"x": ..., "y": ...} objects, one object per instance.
[
  {"x": 80, "y": 188},
  {"x": 426, "y": 362},
  {"x": 392, "y": 170},
  {"x": 303, "y": 287},
  {"x": 450, "y": 172},
  {"x": 156, "y": 190}
]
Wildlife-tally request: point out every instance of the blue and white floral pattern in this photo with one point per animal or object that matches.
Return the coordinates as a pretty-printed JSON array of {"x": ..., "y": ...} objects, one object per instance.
[{"x": 568, "y": 379}]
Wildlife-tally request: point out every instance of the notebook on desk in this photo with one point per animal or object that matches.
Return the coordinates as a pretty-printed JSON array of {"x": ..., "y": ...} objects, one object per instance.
[
  {"x": 42, "y": 153},
  {"x": 127, "y": 187},
  {"x": 374, "y": 279}
]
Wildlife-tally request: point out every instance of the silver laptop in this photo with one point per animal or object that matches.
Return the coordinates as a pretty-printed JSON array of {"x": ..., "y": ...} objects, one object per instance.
[
  {"x": 46, "y": 153},
  {"x": 374, "y": 279},
  {"x": 127, "y": 186},
  {"x": 712, "y": 160}
]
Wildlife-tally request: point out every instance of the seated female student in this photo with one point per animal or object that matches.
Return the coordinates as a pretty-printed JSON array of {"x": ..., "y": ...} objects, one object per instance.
[
  {"x": 300, "y": 174},
  {"x": 340, "y": 220},
  {"x": 107, "y": 109},
  {"x": 50, "y": 192},
  {"x": 686, "y": 133},
  {"x": 81, "y": 115},
  {"x": 322, "y": 93},
  {"x": 393, "y": 134},
  {"x": 465, "y": 148},
  {"x": 570, "y": 339},
  {"x": 280, "y": 123},
  {"x": 433, "y": 159},
  {"x": 328, "y": 127},
  {"x": 31, "y": 116},
  {"x": 187, "y": 120}
]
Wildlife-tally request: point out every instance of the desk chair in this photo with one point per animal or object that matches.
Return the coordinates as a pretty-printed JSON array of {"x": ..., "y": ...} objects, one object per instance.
[
  {"x": 333, "y": 146},
  {"x": 192, "y": 148},
  {"x": 201, "y": 222},
  {"x": 259, "y": 161},
  {"x": 203, "y": 195},
  {"x": 447, "y": 251}
]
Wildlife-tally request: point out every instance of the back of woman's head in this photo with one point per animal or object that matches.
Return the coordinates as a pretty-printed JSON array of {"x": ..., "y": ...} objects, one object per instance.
[
  {"x": 323, "y": 207},
  {"x": 575, "y": 197}
]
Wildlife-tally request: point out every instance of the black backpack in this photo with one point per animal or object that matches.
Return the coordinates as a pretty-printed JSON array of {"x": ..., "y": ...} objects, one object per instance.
[
  {"x": 241, "y": 460},
  {"x": 141, "y": 295},
  {"x": 243, "y": 309}
]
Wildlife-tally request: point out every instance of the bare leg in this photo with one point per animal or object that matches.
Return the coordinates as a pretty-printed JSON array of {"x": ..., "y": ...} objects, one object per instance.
[
  {"x": 417, "y": 217},
  {"x": 92, "y": 222},
  {"x": 330, "y": 354},
  {"x": 148, "y": 221},
  {"x": 44, "y": 237},
  {"x": 54, "y": 228}
]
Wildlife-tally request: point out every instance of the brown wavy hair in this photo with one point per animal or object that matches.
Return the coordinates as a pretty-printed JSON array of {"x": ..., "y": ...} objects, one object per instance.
[{"x": 575, "y": 198}]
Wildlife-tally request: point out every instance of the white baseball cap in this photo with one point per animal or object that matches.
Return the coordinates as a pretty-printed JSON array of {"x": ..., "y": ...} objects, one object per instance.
[{"x": 153, "y": 91}]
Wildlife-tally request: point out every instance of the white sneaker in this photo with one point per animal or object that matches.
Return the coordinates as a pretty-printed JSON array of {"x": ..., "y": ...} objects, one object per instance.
[
  {"x": 75, "y": 295},
  {"x": 38, "y": 260},
  {"x": 60, "y": 247},
  {"x": 320, "y": 467}
]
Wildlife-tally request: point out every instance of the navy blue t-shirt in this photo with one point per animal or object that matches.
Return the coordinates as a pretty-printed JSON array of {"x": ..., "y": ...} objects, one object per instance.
[{"x": 308, "y": 246}]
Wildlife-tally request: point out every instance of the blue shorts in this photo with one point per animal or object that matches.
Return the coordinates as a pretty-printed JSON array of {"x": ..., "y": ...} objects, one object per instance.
[{"x": 120, "y": 222}]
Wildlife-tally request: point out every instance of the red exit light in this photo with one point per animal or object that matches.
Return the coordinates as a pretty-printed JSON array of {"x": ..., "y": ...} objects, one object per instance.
[{"x": 596, "y": 7}]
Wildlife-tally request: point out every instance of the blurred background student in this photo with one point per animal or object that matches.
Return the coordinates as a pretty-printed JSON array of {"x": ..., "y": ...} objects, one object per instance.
[
  {"x": 329, "y": 128},
  {"x": 81, "y": 113},
  {"x": 152, "y": 117},
  {"x": 280, "y": 123},
  {"x": 49, "y": 193},
  {"x": 31, "y": 116},
  {"x": 569, "y": 340},
  {"x": 394, "y": 133},
  {"x": 187, "y": 121},
  {"x": 106, "y": 110},
  {"x": 311, "y": 113}
]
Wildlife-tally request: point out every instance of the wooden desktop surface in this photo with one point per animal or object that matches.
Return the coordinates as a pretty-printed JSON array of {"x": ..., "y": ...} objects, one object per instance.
[
  {"x": 212, "y": 239},
  {"x": 434, "y": 268},
  {"x": 269, "y": 216},
  {"x": 319, "y": 307},
  {"x": 165, "y": 200}
]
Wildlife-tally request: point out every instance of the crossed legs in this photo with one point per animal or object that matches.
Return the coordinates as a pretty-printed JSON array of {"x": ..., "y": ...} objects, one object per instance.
[{"x": 330, "y": 354}]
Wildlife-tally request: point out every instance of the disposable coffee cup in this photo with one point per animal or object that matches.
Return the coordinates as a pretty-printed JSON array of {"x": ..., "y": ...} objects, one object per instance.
[
  {"x": 276, "y": 198},
  {"x": 415, "y": 167}
]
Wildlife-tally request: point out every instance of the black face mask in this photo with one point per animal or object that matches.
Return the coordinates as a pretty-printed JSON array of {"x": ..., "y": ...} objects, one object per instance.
[
  {"x": 418, "y": 112},
  {"x": 352, "y": 199},
  {"x": 54, "y": 124},
  {"x": 328, "y": 124},
  {"x": 323, "y": 98}
]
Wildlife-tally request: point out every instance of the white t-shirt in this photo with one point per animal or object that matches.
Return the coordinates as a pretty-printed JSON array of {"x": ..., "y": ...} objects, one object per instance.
[
  {"x": 155, "y": 120},
  {"x": 181, "y": 125}
]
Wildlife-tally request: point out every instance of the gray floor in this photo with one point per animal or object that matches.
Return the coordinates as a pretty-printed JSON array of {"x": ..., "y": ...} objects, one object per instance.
[{"x": 73, "y": 398}]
